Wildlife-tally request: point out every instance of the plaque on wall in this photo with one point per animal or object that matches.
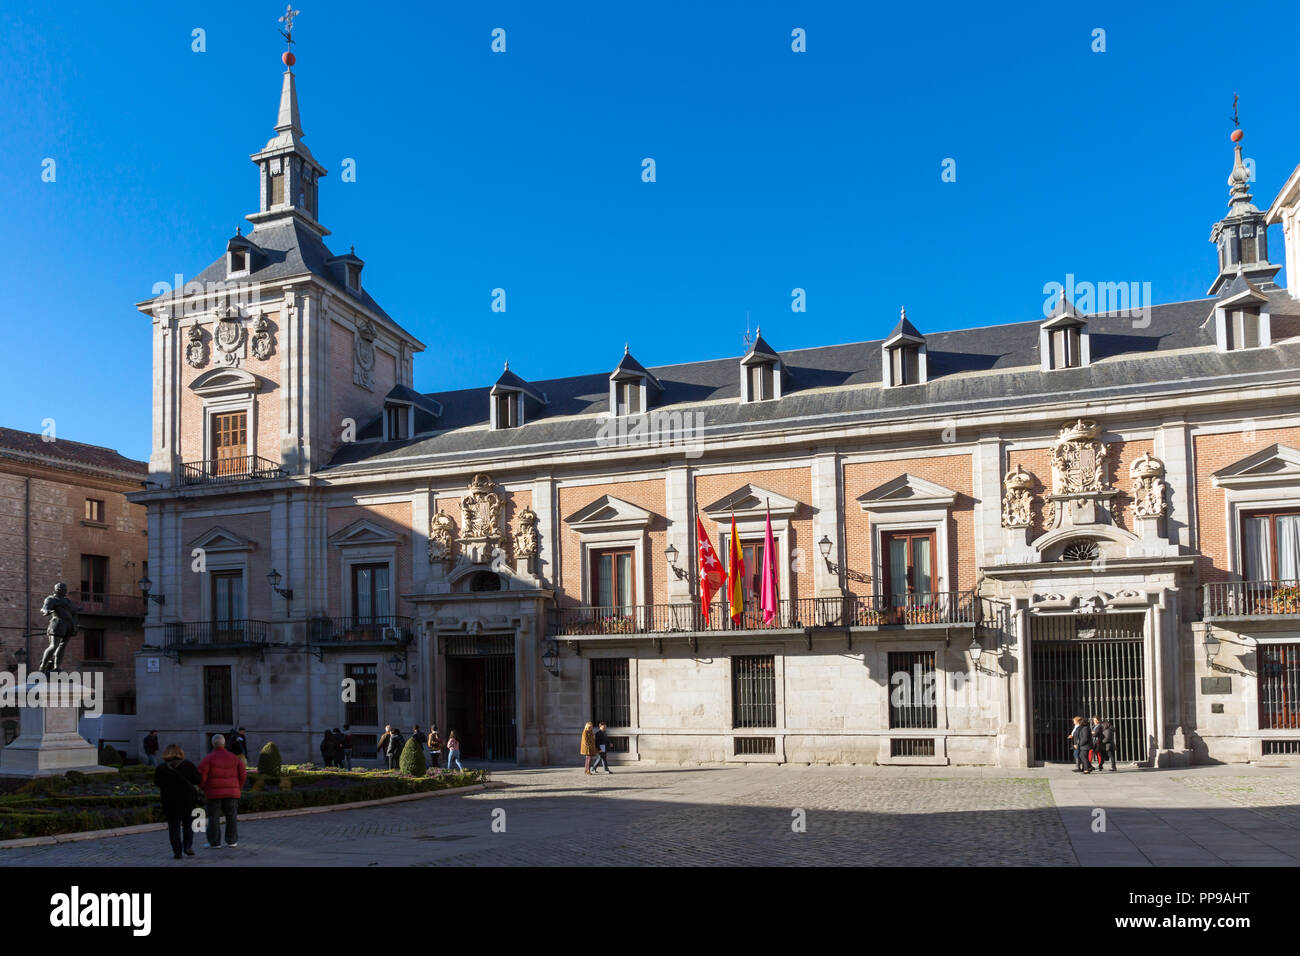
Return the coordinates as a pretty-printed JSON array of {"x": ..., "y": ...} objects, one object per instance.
[
  {"x": 1216, "y": 685},
  {"x": 401, "y": 695}
]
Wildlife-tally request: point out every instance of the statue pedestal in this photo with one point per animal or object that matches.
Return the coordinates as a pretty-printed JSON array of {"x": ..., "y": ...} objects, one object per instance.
[{"x": 49, "y": 743}]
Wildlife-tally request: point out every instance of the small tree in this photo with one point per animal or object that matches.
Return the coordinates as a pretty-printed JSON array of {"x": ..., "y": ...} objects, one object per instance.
[
  {"x": 412, "y": 759},
  {"x": 268, "y": 761}
]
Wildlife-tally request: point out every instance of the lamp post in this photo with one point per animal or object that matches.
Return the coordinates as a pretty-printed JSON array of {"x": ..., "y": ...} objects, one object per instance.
[
  {"x": 976, "y": 651},
  {"x": 397, "y": 664},
  {"x": 551, "y": 659},
  {"x": 145, "y": 585},
  {"x": 670, "y": 553},
  {"x": 273, "y": 578},
  {"x": 1211, "y": 648}
]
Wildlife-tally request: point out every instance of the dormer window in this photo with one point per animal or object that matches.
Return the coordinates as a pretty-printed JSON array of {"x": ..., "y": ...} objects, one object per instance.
[
  {"x": 903, "y": 355},
  {"x": 397, "y": 420},
  {"x": 761, "y": 372},
  {"x": 630, "y": 387},
  {"x": 276, "y": 183},
  {"x": 239, "y": 261},
  {"x": 354, "y": 276},
  {"x": 1063, "y": 338},
  {"x": 1242, "y": 330},
  {"x": 506, "y": 406},
  {"x": 628, "y": 397},
  {"x": 1241, "y": 317}
]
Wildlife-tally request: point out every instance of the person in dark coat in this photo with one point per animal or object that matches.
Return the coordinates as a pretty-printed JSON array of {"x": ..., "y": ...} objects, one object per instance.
[
  {"x": 239, "y": 744},
  {"x": 151, "y": 748},
  {"x": 1094, "y": 743},
  {"x": 1079, "y": 737},
  {"x": 177, "y": 781},
  {"x": 394, "y": 749},
  {"x": 602, "y": 746},
  {"x": 327, "y": 749},
  {"x": 1108, "y": 743}
]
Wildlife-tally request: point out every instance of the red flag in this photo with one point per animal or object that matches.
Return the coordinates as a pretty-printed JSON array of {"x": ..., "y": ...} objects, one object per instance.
[
  {"x": 711, "y": 573},
  {"x": 768, "y": 594}
]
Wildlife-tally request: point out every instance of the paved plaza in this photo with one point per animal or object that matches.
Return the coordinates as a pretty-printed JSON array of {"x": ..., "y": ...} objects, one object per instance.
[{"x": 894, "y": 816}]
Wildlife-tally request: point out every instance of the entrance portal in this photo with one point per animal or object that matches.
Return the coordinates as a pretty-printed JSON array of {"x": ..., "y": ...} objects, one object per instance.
[
  {"x": 481, "y": 695},
  {"x": 1085, "y": 665}
]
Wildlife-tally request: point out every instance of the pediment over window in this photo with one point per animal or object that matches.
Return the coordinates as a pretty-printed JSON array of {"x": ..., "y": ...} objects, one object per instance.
[
  {"x": 751, "y": 501},
  {"x": 363, "y": 532},
  {"x": 609, "y": 513},
  {"x": 225, "y": 381},
  {"x": 218, "y": 540},
  {"x": 1275, "y": 465},
  {"x": 907, "y": 493}
]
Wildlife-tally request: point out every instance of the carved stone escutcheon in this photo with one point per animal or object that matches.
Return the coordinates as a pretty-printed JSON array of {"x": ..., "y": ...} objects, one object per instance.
[
  {"x": 1018, "y": 500},
  {"x": 1150, "y": 493},
  {"x": 363, "y": 355},
  {"x": 481, "y": 513},
  {"x": 196, "y": 350},
  {"x": 261, "y": 344},
  {"x": 442, "y": 534},
  {"x": 527, "y": 543}
]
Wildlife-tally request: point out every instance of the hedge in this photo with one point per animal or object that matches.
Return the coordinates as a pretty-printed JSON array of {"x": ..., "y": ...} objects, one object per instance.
[{"x": 412, "y": 759}]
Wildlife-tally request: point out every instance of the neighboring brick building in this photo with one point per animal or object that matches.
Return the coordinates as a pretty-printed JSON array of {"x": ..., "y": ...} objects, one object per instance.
[
  {"x": 978, "y": 533},
  {"x": 64, "y": 516}
]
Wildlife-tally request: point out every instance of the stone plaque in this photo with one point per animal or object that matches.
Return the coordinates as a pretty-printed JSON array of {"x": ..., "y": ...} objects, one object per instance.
[
  {"x": 401, "y": 695},
  {"x": 1216, "y": 685}
]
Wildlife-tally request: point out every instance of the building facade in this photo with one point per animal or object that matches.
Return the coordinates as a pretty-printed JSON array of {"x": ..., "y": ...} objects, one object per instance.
[
  {"x": 978, "y": 533},
  {"x": 64, "y": 516}
]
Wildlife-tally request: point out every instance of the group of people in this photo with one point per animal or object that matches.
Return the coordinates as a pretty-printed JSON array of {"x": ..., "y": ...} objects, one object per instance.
[
  {"x": 236, "y": 743},
  {"x": 1092, "y": 740},
  {"x": 336, "y": 748},
  {"x": 391, "y": 744},
  {"x": 216, "y": 783},
  {"x": 594, "y": 745}
]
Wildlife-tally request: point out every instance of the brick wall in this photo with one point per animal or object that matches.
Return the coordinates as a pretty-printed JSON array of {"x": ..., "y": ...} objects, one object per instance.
[
  {"x": 648, "y": 494},
  {"x": 394, "y": 516}
]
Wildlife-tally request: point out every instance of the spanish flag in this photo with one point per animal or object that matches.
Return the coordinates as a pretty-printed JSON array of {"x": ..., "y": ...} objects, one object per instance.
[{"x": 736, "y": 576}]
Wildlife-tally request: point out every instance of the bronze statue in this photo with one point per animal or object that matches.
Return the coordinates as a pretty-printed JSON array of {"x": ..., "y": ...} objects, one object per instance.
[{"x": 63, "y": 625}]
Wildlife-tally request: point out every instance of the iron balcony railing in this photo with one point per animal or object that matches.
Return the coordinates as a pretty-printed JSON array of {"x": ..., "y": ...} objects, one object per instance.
[
  {"x": 111, "y": 605},
  {"x": 1243, "y": 599},
  {"x": 221, "y": 471},
  {"x": 945, "y": 607},
  {"x": 385, "y": 628},
  {"x": 233, "y": 633}
]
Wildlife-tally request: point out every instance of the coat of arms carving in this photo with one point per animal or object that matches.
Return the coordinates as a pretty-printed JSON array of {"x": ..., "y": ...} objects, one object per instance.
[
  {"x": 481, "y": 509},
  {"x": 261, "y": 344},
  {"x": 1079, "y": 459},
  {"x": 363, "y": 355},
  {"x": 1018, "y": 501},
  {"x": 442, "y": 533},
  {"x": 196, "y": 350},
  {"x": 1150, "y": 493},
  {"x": 527, "y": 543},
  {"x": 228, "y": 336}
]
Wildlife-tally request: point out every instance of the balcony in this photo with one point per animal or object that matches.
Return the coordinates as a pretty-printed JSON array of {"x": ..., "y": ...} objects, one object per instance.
[
  {"x": 945, "y": 608},
  {"x": 210, "y": 635},
  {"x": 1251, "y": 600},
  {"x": 387, "y": 629},
  {"x": 228, "y": 471},
  {"x": 111, "y": 605}
]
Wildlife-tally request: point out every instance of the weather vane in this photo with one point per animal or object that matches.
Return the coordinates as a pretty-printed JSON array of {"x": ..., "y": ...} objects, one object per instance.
[
  {"x": 1235, "y": 121},
  {"x": 287, "y": 20}
]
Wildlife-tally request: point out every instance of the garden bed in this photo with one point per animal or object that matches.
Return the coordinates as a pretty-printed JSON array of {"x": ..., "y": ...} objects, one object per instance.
[{"x": 76, "y": 802}]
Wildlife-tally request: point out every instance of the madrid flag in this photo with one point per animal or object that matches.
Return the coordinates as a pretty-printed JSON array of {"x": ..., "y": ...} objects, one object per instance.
[{"x": 711, "y": 574}]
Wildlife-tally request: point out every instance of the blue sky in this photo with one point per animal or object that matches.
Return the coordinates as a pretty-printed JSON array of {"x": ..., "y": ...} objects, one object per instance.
[{"x": 775, "y": 170}]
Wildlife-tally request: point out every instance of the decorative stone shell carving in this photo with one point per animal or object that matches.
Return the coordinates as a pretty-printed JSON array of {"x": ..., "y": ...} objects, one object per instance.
[
  {"x": 1150, "y": 493},
  {"x": 527, "y": 544},
  {"x": 363, "y": 355},
  {"x": 442, "y": 535},
  {"x": 228, "y": 335},
  {"x": 1018, "y": 500},
  {"x": 261, "y": 344},
  {"x": 196, "y": 350},
  {"x": 1079, "y": 459}
]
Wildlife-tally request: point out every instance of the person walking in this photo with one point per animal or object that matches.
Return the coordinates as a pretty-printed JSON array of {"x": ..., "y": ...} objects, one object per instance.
[
  {"x": 1079, "y": 738},
  {"x": 1108, "y": 744},
  {"x": 150, "y": 748},
  {"x": 239, "y": 745},
  {"x": 394, "y": 749},
  {"x": 435, "y": 747},
  {"x": 1095, "y": 748},
  {"x": 587, "y": 746},
  {"x": 222, "y": 776},
  {"x": 327, "y": 751},
  {"x": 347, "y": 746},
  {"x": 453, "y": 751},
  {"x": 602, "y": 746},
  {"x": 418, "y": 736},
  {"x": 178, "y": 785},
  {"x": 381, "y": 748}
]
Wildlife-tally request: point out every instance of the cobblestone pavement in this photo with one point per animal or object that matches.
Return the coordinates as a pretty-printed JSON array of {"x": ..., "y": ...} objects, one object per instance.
[{"x": 747, "y": 815}]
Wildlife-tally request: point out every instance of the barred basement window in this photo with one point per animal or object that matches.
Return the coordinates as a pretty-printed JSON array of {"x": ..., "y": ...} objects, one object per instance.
[
  {"x": 1279, "y": 686},
  {"x": 911, "y": 746},
  {"x": 218, "y": 702},
  {"x": 913, "y": 689},
  {"x": 364, "y": 711},
  {"x": 753, "y": 691},
  {"x": 365, "y": 746},
  {"x": 745, "y": 746},
  {"x": 610, "y": 692},
  {"x": 1281, "y": 748},
  {"x": 620, "y": 744}
]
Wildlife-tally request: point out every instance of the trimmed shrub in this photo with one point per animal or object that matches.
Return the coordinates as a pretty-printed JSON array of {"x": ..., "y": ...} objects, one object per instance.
[
  {"x": 412, "y": 759},
  {"x": 268, "y": 761},
  {"x": 110, "y": 757}
]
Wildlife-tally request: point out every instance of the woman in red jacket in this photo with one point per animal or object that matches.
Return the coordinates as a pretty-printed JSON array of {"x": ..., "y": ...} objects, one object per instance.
[{"x": 222, "y": 776}]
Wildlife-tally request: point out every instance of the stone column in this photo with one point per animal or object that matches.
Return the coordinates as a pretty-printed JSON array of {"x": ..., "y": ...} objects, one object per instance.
[
  {"x": 987, "y": 488},
  {"x": 827, "y": 496},
  {"x": 548, "y": 533},
  {"x": 680, "y": 534},
  {"x": 1173, "y": 447}
]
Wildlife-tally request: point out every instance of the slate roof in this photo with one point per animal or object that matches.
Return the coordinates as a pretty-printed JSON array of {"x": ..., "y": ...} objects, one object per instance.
[
  {"x": 73, "y": 455},
  {"x": 969, "y": 370},
  {"x": 287, "y": 248}
]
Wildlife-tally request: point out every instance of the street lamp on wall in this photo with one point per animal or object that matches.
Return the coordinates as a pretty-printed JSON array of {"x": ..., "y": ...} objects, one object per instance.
[
  {"x": 145, "y": 584},
  {"x": 1211, "y": 647},
  {"x": 670, "y": 553},
  {"x": 976, "y": 651},
  {"x": 551, "y": 659},
  {"x": 273, "y": 578},
  {"x": 397, "y": 664}
]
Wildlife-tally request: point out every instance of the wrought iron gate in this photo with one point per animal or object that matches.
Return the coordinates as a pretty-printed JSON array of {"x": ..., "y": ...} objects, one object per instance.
[
  {"x": 481, "y": 694},
  {"x": 1085, "y": 665}
]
